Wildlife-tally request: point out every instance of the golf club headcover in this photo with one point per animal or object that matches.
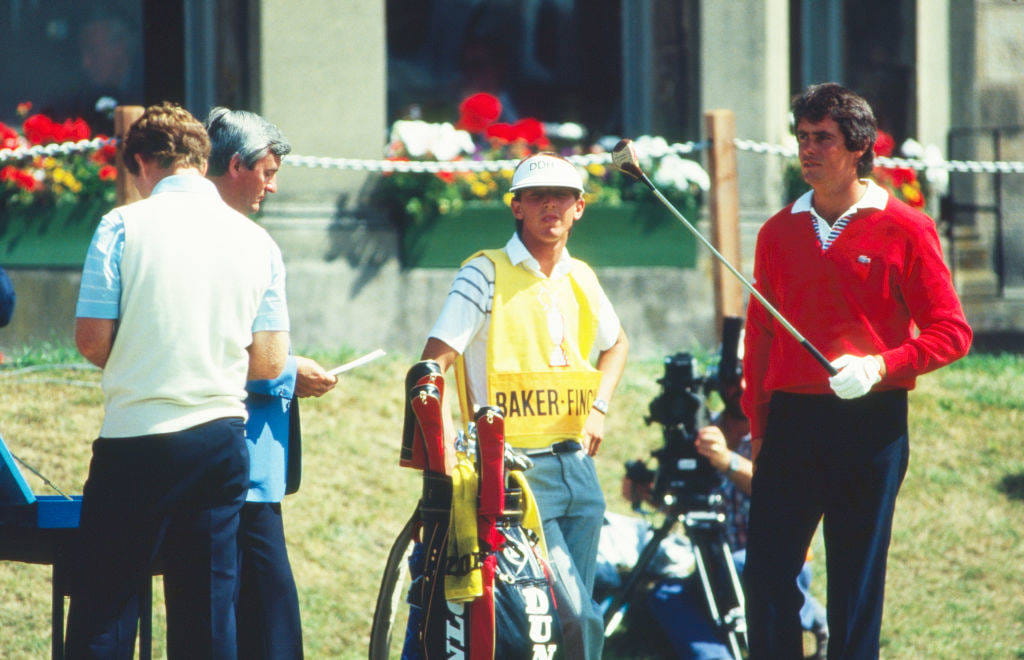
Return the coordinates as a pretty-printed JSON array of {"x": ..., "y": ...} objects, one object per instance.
[
  {"x": 413, "y": 453},
  {"x": 425, "y": 401},
  {"x": 490, "y": 451}
]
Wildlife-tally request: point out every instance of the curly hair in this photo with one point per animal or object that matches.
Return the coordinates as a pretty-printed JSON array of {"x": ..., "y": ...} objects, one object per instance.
[
  {"x": 168, "y": 134},
  {"x": 850, "y": 111}
]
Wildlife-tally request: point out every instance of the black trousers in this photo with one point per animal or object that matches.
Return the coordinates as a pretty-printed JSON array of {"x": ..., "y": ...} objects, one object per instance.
[
  {"x": 843, "y": 462},
  {"x": 176, "y": 495},
  {"x": 269, "y": 626}
]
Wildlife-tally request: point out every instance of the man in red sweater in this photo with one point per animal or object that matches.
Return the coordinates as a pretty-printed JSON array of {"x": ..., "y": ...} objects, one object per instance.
[{"x": 861, "y": 275}]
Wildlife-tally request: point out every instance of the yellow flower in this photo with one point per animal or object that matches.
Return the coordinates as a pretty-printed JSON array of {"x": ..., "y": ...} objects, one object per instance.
[
  {"x": 596, "y": 169},
  {"x": 478, "y": 188},
  {"x": 65, "y": 179},
  {"x": 49, "y": 162},
  {"x": 507, "y": 198},
  {"x": 911, "y": 193}
]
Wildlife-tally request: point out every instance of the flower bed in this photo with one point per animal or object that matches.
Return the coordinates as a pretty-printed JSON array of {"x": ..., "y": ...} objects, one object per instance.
[
  {"x": 447, "y": 212},
  {"x": 628, "y": 234},
  {"x": 50, "y": 204}
]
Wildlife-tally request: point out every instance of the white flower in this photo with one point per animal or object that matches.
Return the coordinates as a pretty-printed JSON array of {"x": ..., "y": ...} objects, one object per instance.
[
  {"x": 679, "y": 173},
  {"x": 936, "y": 173},
  {"x": 911, "y": 148},
  {"x": 449, "y": 142},
  {"x": 421, "y": 139},
  {"x": 565, "y": 131},
  {"x": 648, "y": 147}
]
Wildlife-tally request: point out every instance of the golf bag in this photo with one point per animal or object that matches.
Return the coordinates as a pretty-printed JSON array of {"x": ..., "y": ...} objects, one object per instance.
[{"x": 481, "y": 587}]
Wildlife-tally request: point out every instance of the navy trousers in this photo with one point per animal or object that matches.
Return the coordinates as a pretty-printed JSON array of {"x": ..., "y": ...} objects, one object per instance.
[
  {"x": 177, "y": 496},
  {"x": 843, "y": 462},
  {"x": 269, "y": 626}
]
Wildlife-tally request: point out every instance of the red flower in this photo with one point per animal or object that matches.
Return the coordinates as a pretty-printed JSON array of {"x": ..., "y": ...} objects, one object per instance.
[
  {"x": 20, "y": 178},
  {"x": 24, "y": 108},
  {"x": 901, "y": 175},
  {"x": 447, "y": 177},
  {"x": 108, "y": 173},
  {"x": 105, "y": 154},
  {"x": 532, "y": 131},
  {"x": 8, "y": 137},
  {"x": 478, "y": 111},
  {"x": 40, "y": 129},
  {"x": 502, "y": 132},
  {"x": 884, "y": 144},
  {"x": 75, "y": 130}
]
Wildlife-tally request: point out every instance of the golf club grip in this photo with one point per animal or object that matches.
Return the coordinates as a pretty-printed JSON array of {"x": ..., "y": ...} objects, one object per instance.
[
  {"x": 832, "y": 371},
  {"x": 790, "y": 328}
]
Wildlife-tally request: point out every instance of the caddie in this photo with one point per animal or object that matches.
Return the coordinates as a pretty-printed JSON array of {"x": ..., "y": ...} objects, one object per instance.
[{"x": 519, "y": 325}]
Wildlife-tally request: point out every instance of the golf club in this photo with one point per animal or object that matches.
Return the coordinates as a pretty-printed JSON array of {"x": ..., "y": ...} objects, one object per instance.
[{"x": 625, "y": 159}]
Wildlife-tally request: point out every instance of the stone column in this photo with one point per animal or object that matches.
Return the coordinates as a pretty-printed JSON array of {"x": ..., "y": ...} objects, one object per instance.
[
  {"x": 745, "y": 60},
  {"x": 323, "y": 80}
]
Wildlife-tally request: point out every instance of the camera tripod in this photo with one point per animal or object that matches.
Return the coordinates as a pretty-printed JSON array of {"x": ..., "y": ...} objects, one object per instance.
[{"x": 723, "y": 593}]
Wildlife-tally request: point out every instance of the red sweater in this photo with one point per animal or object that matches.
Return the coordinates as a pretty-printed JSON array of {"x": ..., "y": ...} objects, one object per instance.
[{"x": 882, "y": 279}]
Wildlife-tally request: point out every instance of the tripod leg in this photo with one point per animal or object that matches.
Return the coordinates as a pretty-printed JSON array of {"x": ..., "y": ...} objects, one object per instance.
[
  {"x": 616, "y": 609},
  {"x": 708, "y": 542},
  {"x": 739, "y": 622}
]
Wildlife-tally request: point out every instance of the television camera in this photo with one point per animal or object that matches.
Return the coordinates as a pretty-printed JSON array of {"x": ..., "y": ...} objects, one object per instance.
[
  {"x": 683, "y": 477},
  {"x": 684, "y": 487}
]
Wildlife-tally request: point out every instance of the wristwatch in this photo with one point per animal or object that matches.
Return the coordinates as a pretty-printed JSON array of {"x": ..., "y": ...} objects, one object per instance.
[
  {"x": 734, "y": 464},
  {"x": 601, "y": 406}
]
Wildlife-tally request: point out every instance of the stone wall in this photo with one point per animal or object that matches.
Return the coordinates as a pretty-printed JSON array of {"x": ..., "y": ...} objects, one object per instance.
[{"x": 347, "y": 289}]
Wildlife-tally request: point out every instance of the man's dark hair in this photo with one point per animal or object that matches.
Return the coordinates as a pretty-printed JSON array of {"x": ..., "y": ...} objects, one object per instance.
[
  {"x": 850, "y": 111},
  {"x": 244, "y": 133}
]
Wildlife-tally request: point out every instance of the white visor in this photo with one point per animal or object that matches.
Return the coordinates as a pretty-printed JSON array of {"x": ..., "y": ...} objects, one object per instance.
[{"x": 548, "y": 172}]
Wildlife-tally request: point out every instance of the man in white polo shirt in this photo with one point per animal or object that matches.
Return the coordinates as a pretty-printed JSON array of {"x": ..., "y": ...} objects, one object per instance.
[
  {"x": 519, "y": 325},
  {"x": 182, "y": 300}
]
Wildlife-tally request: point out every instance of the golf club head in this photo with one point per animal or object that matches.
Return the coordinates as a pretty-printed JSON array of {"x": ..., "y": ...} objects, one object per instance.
[{"x": 624, "y": 158}]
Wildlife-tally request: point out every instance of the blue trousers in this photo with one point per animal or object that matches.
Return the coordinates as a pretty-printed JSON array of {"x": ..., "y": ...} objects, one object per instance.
[
  {"x": 572, "y": 507},
  {"x": 176, "y": 495},
  {"x": 843, "y": 462},
  {"x": 269, "y": 625}
]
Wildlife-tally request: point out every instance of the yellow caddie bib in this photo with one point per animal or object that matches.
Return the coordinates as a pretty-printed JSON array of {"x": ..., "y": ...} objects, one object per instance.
[{"x": 541, "y": 334}]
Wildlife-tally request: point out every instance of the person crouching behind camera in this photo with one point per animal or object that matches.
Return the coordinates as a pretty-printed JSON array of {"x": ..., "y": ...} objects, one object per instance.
[{"x": 680, "y": 607}]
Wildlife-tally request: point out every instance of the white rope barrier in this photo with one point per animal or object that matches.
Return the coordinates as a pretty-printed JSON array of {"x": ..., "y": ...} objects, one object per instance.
[
  {"x": 434, "y": 167},
  {"x": 55, "y": 149},
  {"x": 968, "y": 166}
]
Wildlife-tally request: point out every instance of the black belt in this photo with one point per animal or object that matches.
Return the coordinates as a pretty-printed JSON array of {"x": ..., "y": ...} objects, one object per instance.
[{"x": 563, "y": 447}]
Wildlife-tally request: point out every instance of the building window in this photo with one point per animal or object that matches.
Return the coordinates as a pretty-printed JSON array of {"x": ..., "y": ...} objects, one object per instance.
[
  {"x": 554, "y": 60},
  {"x": 70, "y": 58}
]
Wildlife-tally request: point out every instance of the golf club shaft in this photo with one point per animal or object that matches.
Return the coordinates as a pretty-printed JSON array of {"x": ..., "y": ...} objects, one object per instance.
[{"x": 746, "y": 284}]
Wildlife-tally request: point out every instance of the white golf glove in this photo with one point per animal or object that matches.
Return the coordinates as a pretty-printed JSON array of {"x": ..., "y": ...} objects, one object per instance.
[{"x": 856, "y": 377}]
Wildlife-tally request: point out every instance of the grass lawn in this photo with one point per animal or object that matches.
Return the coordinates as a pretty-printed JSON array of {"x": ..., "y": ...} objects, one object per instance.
[{"x": 956, "y": 566}]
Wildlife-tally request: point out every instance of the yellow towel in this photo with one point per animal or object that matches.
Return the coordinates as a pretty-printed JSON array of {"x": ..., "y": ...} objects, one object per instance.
[{"x": 463, "y": 545}]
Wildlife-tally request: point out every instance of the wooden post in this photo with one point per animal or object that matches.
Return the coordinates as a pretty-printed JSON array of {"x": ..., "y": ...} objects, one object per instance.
[
  {"x": 124, "y": 117},
  {"x": 724, "y": 206}
]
